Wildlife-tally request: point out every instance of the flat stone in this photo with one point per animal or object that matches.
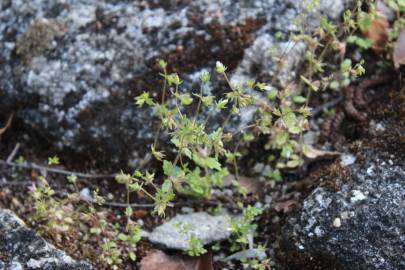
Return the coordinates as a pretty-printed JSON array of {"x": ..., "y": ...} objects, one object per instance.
[
  {"x": 23, "y": 248},
  {"x": 176, "y": 233}
]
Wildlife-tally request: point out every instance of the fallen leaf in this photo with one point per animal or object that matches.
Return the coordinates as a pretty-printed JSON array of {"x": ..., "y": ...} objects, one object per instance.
[
  {"x": 378, "y": 32},
  {"x": 285, "y": 206},
  {"x": 158, "y": 260},
  {"x": 34, "y": 174},
  {"x": 399, "y": 50},
  {"x": 140, "y": 213},
  {"x": 313, "y": 153},
  {"x": 252, "y": 185},
  {"x": 205, "y": 262}
]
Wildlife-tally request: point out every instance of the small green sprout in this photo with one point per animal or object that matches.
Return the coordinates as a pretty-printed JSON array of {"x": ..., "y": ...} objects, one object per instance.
[{"x": 53, "y": 160}]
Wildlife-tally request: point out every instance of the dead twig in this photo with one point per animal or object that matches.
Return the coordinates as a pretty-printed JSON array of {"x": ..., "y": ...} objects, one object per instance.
[
  {"x": 172, "y": 205},
  {"x": 8, "y": 124},
  {"x": 326, "y": 105},
  {"x": 13, "y": 153},
  {"x": 120, "y": 205},
  {"x": 16, "y": 183},
  {"x": 34, "y": 166}
]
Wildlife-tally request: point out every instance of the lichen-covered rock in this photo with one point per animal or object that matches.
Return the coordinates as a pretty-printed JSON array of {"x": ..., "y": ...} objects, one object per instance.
[
  {"x": 73, "y": 67},
  {"x": 177, "y": 232},
  {"x": 23, "y": 248},
  {"x": 361, "y": 226}
]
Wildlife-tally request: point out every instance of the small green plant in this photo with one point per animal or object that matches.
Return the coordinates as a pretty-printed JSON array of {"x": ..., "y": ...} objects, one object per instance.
[
  {"x": 196, "y": 247},
  {"x": 112, "y": 255},
  {"x": 53, "y": 160},
  {"x": 198, "y": 156},
  {"x": 243, "y": 226}
]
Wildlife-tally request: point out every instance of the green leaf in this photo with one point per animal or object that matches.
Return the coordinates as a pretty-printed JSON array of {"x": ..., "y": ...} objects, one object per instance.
[
  {"x": 72, "y": 178},
  {"x": 53, "y": 160},
  {"x": 346, "y": 65},
  {"x": 364, "y": 21},
  {"x": 293, "y": 163},
  {"x": 144, "y": 98},
  {"x": 221, "y": 104},
  {"x": 174, "y": 79},
  {"x": 185, "y": 99},
  {"x": 213, "y": 163},
  {"x": 248, "y": 137},
  {"x": 334, "y": 85},
  {"x": 364, "y": 43},
  {"x": 281, "y": 138},
  {"x": 134, "y": 186},
  {"x": 123, "y": 178},
  {"x": 290, "y": 120},
  {"x": 96, "y": 231},
  {"x": 170, "y": 170},
  {"x": 123, "y": 237},
  {"x": 294, "y": 130},
  {"x": 272, "y": 94},
  {"x": 132, "y": 256},
  {"x": 128, "y": 211},
  {"x": 299, "y": 99},
  {"x": 167, "y": 186},
  {"x": 251, "y": 83}
]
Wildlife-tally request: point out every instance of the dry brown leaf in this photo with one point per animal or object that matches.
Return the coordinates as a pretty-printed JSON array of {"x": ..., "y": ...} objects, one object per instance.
[
  {"x": 378, "y": 32},
  {"x": 252, "y": 185},
  {"x": 34, "y": 174},
  {"x": 399, "y": 50},
  {"x": 285, "y": 206},
  {"x": 158, "y": 260},
  {"x": 205, "y": 262},
  {"x": 313, "y": 153}
]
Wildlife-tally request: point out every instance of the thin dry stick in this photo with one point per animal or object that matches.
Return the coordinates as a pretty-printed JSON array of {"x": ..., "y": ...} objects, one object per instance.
[
  {"x": 16, "y": 183},
  {"x": 13, "y": 153},
  {"x": 120, "y": 205},
  {"x": 31, "y": 165},
  {"x": 8, "y": 124},
  {"x": 326, "y": 105}
]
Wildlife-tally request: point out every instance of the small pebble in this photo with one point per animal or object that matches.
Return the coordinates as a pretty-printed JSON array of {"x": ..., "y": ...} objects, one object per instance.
[
  {"x": 337, "y": 223},
  {"x": 357, "y": 196},
  {"x": 347, "y": 159}
]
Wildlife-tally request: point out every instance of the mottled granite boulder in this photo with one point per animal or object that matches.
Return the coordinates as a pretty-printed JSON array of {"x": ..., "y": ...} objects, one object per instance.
[
  {"x": 73, "y": 67},
  {"x": 361, "y": 226},
  {"x": 22, "y": 248}
]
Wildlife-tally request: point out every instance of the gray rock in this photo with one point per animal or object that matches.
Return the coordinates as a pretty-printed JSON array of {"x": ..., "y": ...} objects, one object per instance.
[
  {"x": 23, "y": 248},
  {"x": 177, "y": 232},
  {"x": 73, "y": 67},
  {"x": 361, "y": 226}
]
